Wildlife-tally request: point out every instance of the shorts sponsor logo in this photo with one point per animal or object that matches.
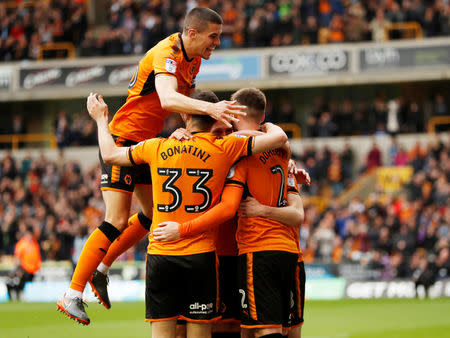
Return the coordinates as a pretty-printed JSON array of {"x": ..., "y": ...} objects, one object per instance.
[
  {"x": 171, "y": 66},
  {"x": 198, "y": 308},
  {"x": 128, "y": 179},
  {"x": 104, "y": 178}
]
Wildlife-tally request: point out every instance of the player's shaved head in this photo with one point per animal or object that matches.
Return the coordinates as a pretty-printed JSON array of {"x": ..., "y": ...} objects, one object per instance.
[
  {"x": 198, "y": 18},
  {"x": 204, "y": 122},
  {"x": 254, "y": 99}
]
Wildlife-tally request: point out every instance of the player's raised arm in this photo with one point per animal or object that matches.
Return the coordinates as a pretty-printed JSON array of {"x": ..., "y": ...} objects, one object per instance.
[
  {"x": 221, "y": 212},
  {"x": 111, "y": 153},
  {"x": 225, "y": 111},
  {"x": 273, "y": 138}
]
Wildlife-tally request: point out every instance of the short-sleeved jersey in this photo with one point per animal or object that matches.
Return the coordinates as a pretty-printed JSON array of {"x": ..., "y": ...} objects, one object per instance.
[
  {"x": 187, "y": 178},
  {"x": 292, "y": 188},
  {"x": 142, "y": 117},
  {"x": 264, "y": 177}
]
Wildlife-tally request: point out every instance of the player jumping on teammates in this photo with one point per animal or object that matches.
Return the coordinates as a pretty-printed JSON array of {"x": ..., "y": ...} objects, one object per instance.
[{"x": 188, "y": 177}]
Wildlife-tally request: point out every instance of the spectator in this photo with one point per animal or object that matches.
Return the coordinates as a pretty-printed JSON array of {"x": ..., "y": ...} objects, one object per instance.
[
  {"x": 335, "y": 30},
  {"x": 378, "y": 25},
  {"x": 393, "y": 119},
  {"x": 440, "y": 107},
  {"x": 28, "y": 262},
  {"x": 373, "y": 158},
  {"x": 326, "y": 127}
]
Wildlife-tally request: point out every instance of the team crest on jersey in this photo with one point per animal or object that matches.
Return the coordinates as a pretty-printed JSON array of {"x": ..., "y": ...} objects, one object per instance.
[
  {"x": 231, "y": 172},
  {"x": 171, "y": 66}
]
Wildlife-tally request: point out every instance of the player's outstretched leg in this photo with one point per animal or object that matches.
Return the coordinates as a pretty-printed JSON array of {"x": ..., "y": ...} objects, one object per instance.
[
  {"x": 138, "y": 227},
  {"x": 71, "y": 303}
]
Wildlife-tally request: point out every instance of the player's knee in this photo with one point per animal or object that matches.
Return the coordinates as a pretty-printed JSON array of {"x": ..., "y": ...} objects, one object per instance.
[
  {"x": 268, "y": 333},
  {"x": 118, "y": 221}
]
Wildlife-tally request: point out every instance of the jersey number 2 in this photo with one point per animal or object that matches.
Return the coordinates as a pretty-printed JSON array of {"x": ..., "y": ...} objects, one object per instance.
[
  {"x": 198, "y": 187},
  {"x": 278, "y": 169}
]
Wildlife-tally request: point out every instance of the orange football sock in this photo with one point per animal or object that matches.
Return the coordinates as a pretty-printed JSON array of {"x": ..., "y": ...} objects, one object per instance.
[
  {"x": 93, "y": 252},
  {"x": 138, "y": 227}
]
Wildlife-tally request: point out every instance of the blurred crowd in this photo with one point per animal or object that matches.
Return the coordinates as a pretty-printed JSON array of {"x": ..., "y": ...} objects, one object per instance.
[
  {"x": 135, "y": 26},
  {"x": 23, "y": 29},
  {"x": 55, "y": 199},
  {"x": 381, "y": 116},
  {"x": 405, "y": 235}
]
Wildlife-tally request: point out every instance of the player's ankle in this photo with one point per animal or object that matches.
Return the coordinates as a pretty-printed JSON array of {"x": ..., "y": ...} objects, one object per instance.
[
  {"x": 71, "y": 293},
  {"x": 103, "y": 268}
]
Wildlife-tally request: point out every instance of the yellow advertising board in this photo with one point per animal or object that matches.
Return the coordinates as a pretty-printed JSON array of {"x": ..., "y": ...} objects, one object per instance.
[{"x": 392, "y": 179}]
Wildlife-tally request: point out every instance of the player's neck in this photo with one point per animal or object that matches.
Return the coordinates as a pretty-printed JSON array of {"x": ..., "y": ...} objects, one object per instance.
[
  {"x": 187, "y": 46},
  {"x": 248, "y": 125}
]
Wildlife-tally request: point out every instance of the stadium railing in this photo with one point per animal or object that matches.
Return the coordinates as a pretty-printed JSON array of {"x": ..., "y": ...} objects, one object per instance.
[
  {"x": 15, "y": 4},
  {"x": 292, "y": 128},
  {"x": 57, "y": 46},
  {"x": 437, "y": 120},
  {"x": 16, "y": 139},
  {"x": 408, "y": 27}
]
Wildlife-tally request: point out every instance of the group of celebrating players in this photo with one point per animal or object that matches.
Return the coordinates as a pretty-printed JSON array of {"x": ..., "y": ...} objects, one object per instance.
[{"x": 207, "y": 269}]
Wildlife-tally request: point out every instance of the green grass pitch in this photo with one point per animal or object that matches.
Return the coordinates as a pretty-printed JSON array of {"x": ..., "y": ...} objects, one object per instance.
[{"x": 345, "y": 318}]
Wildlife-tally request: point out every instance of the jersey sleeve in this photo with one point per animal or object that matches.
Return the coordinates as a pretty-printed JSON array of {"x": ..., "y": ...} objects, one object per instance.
[
  {"x": 165, "y": 61},
  {"x": 237, "y": 146},
  {"x": 221, "y": 212},
  {"x": 237, "y": 176},
  {"x": 292, "y": 185},
  {"x": 143, "y": 151}
]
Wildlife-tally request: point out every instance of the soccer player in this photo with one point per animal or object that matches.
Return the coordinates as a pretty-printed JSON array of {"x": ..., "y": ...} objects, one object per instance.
[
  {"x": 162, "y": 83},
  {"x": 289, "y": 216},
  {"x": 188, "y": 177},
  {"x": 268, "y": 250}
]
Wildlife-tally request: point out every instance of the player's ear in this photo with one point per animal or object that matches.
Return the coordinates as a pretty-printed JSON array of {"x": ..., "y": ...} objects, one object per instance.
[{"x": 192, "y": 33}]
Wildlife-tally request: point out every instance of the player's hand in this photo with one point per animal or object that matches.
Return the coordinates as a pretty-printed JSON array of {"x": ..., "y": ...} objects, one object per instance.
[
  {"x": 181, "y": 134},
  {"x": 292, "y": 167},
  {"x": 268, "y": 127},
  {"x": 166, "y": 232},
  {"x": 250, "y": 207},
  {"x": 301, "y": 175},
  {"x": 227, "y": 112},
  {"x": 96, "y": 107}
]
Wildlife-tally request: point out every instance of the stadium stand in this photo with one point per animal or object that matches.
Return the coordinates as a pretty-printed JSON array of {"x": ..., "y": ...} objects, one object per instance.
[{"x": 28, "y": 30}]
